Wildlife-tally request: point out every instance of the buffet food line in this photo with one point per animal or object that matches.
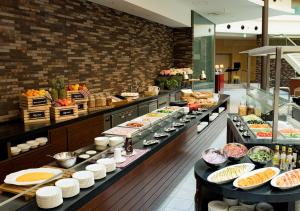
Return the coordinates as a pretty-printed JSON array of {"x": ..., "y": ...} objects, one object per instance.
[{"x": 70, "y": 182}]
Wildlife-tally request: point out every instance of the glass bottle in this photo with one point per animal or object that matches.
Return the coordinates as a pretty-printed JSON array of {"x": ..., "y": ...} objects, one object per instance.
[
  {"x": 289, "y": 159},
  {"x": 283, "y": 158},
  {"x": 276, "y": 157},
  {"x": 257, "y": 110},
  {"x": 242, "y": 109},
  {"x": 128, "y": 146}
]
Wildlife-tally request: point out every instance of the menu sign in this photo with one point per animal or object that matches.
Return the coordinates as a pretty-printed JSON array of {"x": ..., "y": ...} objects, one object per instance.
[
  {"x": 37, "y": 115},
  {"x": 39, "y": 101},
  {"x": 80, "y": 106},
  {"x": 66, "y": 112},
  {"x": 77, "y": 96}
]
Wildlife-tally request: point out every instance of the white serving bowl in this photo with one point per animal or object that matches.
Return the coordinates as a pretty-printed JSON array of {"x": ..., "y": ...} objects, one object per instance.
[
  {"x": 42, "y": 140},
  {"x": 116, "y": 140},
  {"x": 249, "y": 205},
  {"x": 23, "y": 147},
  {"x": 49, "y": 197},
  {"x": 33, "y": 144},
  {"x": 15, "y": 151},
  {"x": 68, "y": 186},
  {"x": 101, "y": 141},
  {"x": 99, "y": 170},
  {"x": 230, "y": 201},
  {"x": 91, "y": 152},
  {"x": 109, "y": 163},
  {"x": 85, "y": 178}
]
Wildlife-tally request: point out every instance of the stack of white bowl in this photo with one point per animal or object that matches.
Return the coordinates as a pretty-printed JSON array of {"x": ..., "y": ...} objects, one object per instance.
[
  {"x": 116, "y": 140},
  {"x": 217, "y": 206},
  {"x": 109, "y": 163},
  {"x": 23, "y": 147},
  {"x": 42, "y": 140},
  {"x": 31, "y": 144},
  {"x": 101, "y": 142}
]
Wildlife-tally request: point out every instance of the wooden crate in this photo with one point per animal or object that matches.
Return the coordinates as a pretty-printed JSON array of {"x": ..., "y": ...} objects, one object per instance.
[
  {"x": 14, "y": 189},
  {"x": 36, "y": 115},
  {"x": 31, "y": 102},
  {"x": 76, "y": 96},
  {"x": 64, "y": 112},
  {"x": 82, "y": 106}
]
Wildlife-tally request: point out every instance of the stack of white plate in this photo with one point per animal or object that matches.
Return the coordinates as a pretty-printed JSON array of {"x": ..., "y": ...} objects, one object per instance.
[
  {"x": 99, "y": 170},
  {"x": 249, "y": 205},
  {"x": 109, "y": 163},
  {"x": 69, "y": 187},
  {"x": 49, "y": 197},
  {"x": 85, "y": 178},
  {"x": 297, "y": 205},
  {"x": 217, "y": 206},
  {"x": 231, "y": 201}
]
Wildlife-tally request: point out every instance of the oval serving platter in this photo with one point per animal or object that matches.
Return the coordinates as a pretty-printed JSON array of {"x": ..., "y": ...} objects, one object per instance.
[
  {"x": 223, "y": 176},
  {"x": 12, "y": 178},
  {"x": 274, "y": 170},
  {"x": 287, "y": 180}
]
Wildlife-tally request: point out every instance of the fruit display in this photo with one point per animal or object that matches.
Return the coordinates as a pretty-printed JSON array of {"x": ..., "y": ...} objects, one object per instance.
[
  {"x": 35, "y": 93},
  {"x": 58, "y": 89},
  {"x": 287, "y": 180},
  {"x": 230, "y": 173},
  {"x": 256, "y": 178},
  {"x": 235, "y": 150},
  {"x": 76, "y": 87},
  {"x": 157, "y": 115},
  {"x": 63, "y": 102}
]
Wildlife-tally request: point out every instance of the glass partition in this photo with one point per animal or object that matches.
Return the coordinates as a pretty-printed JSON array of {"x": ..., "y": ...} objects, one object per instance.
[{"x": 203, "y": 52}]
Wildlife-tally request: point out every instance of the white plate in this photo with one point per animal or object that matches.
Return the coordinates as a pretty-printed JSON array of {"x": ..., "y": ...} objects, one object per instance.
[
  {"x": 274, "y": 180},
  {"x": 235, "y": 183},
  {"x": 122, "y": 160},
  {"x": 248, "y": 167},
  {"x": 12, "y": 178}
]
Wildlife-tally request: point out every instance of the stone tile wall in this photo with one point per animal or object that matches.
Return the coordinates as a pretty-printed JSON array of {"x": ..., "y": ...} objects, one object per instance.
[
  {"x": 183, "y": 47},
  {"x": 79, "y": 41}
]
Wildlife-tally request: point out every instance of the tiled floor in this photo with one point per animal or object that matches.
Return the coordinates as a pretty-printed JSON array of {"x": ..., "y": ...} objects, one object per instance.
[{"x": 182, "y": 197}]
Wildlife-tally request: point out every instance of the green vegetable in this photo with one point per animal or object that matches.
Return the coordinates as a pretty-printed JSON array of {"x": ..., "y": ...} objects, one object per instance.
[{"x": 260, "y": 156}]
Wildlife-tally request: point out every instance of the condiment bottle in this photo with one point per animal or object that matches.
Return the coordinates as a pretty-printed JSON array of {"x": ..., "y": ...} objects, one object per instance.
[
  {"x": 128, "y": 146},
  {"x": 283, "y": 158},
  {"x": 289, "y": 159},
  {"x": 276, "y": 157}
]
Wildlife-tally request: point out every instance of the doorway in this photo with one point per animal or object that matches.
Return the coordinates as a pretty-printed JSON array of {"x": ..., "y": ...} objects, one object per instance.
[{"x": 226, "y": 60}]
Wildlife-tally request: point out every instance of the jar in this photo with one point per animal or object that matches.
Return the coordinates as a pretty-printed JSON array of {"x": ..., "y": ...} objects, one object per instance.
[
  {"x": 109, "y": 101},
  {"x": 100, "y": 101},
  {"x": 91, "y": 102},
  {"x": 242, "y": 110},
  {"x": 258, "y": 111},
  {"x": 250, "y": 110}
]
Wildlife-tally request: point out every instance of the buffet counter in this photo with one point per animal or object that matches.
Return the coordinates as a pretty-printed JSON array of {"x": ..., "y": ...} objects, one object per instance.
[{"x": 145, "y": 182}]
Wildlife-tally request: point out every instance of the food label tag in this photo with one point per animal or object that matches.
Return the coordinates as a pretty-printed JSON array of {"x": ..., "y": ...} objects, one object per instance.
[
  {"x": 39, "y": 101},
  {"x": 77, "y": 96},
  {"x": 37, "y": 115},
  {"x": 66, "y": 112},
  {"x": 80, "y": 106}
]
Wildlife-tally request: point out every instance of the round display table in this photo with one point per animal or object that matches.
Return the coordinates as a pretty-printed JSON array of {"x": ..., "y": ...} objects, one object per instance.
[{"x": 282, "y": 200}]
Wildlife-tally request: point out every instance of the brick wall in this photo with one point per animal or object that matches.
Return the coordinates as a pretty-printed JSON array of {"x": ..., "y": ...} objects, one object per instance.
[
  {"x": 287, "y": 70},
  {"x": 79, "y": 41},
  {"x": 183, "y": 47}
]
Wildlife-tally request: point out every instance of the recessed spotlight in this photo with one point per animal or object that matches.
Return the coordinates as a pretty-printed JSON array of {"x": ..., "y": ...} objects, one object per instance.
[
  {"x": 242, "y": 27},
  {"x": 228, "y": 26},
  {"x": 256, "y": 28}
]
